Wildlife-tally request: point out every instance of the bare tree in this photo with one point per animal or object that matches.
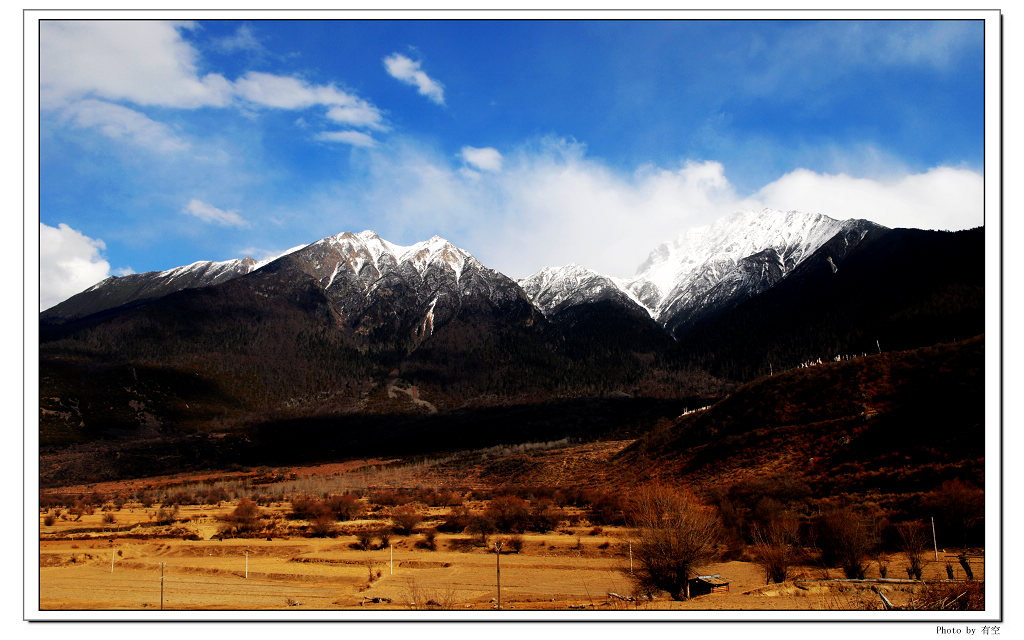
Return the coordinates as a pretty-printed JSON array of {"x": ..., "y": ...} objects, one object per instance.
[
  {"x": 675, "y": 535},
  {"x": 914, "y": 538},
  {"x": 774, "y": 546}
]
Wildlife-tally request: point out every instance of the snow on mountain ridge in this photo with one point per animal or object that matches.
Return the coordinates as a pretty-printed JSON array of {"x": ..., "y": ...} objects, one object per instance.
[
  {"x": 679, "y": 271},
  {"x": 554, "y": 288},
  {"x": 366, "y": 247}
]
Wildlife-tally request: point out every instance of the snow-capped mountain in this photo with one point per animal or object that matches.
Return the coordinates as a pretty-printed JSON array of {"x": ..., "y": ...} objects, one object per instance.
[
  {"x": 736, "y": 257},
  {"x": 553, "y": 289},
  {"x": 118, "y": 290},
  {"x": 374, "y": 285},
  {"x": 678, "y": 273}
]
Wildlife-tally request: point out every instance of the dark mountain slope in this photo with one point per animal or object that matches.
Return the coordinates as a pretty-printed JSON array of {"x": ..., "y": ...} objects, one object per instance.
[
  {"x": 904, "y": 288},
  {"x": 887, "y": 427}
]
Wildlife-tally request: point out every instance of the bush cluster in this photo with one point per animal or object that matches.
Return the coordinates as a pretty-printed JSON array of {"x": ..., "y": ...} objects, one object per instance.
[{"x": 338, "y": 507}]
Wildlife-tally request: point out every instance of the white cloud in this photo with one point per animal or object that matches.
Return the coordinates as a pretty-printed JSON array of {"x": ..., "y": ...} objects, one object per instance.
[
  {"x": 354, "y": 138},
  {"x": 285, "y": 92},
  {"x": 552, "y": 204},
  {"x": 142, "y": 61},
  {"x": 242, "y": 40},
  {"x": 69, "y": 262},
  {"x": 148, "y": 63},
  {"x": 940, "y": 198},
  {"x": 124, "y": 124},
  {"x": 358, "y": 114},
  {"x": 485, "y": 159},
  {"x": 409, "y": 72},
  {"x": 210, "y": 213}
]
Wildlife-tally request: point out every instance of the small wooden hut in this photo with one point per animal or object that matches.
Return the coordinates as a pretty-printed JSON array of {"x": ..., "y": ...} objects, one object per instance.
[{"x": 704, "y": 585}]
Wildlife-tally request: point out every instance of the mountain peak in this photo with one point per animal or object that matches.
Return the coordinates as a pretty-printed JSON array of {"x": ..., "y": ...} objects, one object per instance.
[{"x": 679, "y": 271}]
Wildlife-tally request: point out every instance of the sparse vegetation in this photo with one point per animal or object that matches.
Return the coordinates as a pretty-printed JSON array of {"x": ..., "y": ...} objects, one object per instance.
[
  {"x": 675, "y": 535},
  {"x": 405, "y": 518},
  {"x": 914, "y": 542},
  {"x": 845, "y": 541},
  {"x": 775, "y": 547}
]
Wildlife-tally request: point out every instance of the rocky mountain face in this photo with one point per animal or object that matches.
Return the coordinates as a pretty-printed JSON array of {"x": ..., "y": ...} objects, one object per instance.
[{"x": 390, "y": 296}]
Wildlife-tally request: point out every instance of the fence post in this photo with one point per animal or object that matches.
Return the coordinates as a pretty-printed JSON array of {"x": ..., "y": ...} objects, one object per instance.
[{"x": 497, "y": 556}]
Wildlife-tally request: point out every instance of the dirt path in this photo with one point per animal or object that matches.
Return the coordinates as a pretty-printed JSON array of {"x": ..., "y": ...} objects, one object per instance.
[{"x": 412, "y": 393}]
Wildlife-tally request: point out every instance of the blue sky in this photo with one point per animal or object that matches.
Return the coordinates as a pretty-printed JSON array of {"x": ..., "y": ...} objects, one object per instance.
[{"x": 528, "y": 143}]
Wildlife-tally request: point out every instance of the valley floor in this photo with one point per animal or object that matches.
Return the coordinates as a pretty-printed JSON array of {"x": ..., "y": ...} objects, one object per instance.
[{"x": 566, "y": 571}]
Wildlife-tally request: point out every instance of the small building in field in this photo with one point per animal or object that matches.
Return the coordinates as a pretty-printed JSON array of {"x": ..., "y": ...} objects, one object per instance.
[{"x": 704, "y": 585}]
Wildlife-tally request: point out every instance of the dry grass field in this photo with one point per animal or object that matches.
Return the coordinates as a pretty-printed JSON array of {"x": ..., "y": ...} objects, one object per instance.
[
  {"x": 550, "y": 573},
  {"x": 113, "y": 558}
]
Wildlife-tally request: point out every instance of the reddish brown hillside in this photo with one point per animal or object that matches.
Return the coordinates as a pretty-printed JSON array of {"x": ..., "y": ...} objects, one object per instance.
[{"x": 886, "y": 427}]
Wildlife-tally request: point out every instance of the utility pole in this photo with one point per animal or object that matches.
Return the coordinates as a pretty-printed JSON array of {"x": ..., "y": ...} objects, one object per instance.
[
  {"x": 935, "y": 544},
  {"x": 113, "y": 552},
  {"x": 497, "y": 556},
  {"x": 246, "y": 564},
  {"x": 392, "y": 548},
  {"x": 162, "y": 585},
  {"x": 630, "y": 556}
]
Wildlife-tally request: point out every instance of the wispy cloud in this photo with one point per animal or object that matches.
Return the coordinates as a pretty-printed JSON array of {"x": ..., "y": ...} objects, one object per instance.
[
  {"x": 210, "y": 213},
  {"x": 69, "y": 262},
  {"x": 485, "y": 159},
  {"x": 408, "y": 71},
  {"x": 243, "y": 39},
  {"x": 123, "y": 124},
  {"x": 354, "y": 138},
  {"x": 286, "y": 92}
]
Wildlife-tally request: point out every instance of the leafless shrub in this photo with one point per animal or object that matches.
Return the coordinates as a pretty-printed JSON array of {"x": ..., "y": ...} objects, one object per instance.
[
  {"x": 510, "y": 514},
  {"x": 345, "y": 506},
  {"x": 774, "y": 547},
  {"x": 405, "y": 519},
  {"x": 243, "y": 521},
  {"x": 323, "y": 526},
  {"x": 457, "y": 520},
  {"x": 845, "y": 541},
  {"x": 364, "y": 539},
  {"x": 675, "y": 535},
  {"x": 914, "y": 541},
  {"x": 513, "y": 543},
  {"x": 481, "y": 526},
  {"x": 429, "y": 539}
]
